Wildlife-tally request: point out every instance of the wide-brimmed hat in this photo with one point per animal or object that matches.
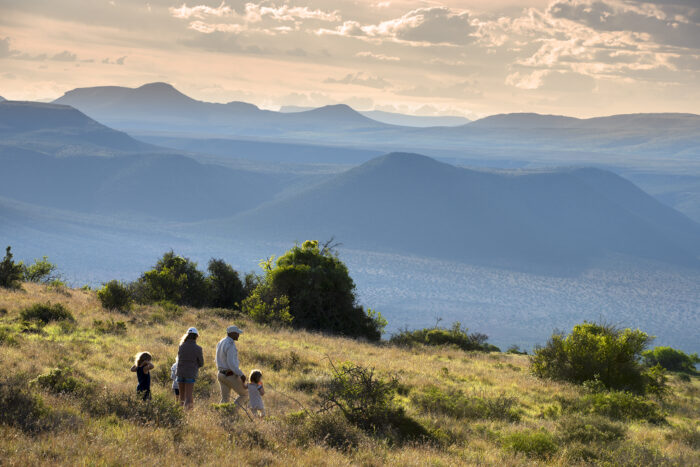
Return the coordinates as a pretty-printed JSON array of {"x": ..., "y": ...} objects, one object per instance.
[
  {"x": 235, "y": 329},
  {"x": 192, "y": 331}
]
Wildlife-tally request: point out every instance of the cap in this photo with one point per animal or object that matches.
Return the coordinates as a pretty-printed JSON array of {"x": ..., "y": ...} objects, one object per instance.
[
  {"x": 192, "y": 331},
  {"x": 235, "y": 329}
]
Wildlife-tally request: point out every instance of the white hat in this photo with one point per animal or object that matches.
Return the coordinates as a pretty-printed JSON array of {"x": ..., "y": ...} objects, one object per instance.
[
  {"x": 235, "y": 329},
  {"x": 192, "y": 331}
]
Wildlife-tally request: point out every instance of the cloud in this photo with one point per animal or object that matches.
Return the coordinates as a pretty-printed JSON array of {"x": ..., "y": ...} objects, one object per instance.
[
  {"x": 5, "y": 50},
  {"x": 380, "y": 57},
  {"x": 65, "y": 56},
  {"x": 200, "y": 11},
  {"x": 360, "y": 79},
  {"x": 422, "y": 26}
]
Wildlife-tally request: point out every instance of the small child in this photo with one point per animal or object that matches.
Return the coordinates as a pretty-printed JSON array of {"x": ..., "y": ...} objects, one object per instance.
[
  {"x": 142, "y": 367},
  {"x": 255, "y": 393},
  {"x": 173, "y": 376}
]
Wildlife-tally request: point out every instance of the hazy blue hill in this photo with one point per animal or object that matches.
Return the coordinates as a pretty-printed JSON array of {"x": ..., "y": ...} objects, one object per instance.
[
  {"x": 524, "y": 121},
  {"x": 394, "y": 118},
  {"x": 56, "y": 128},
  {"x": 411, "y": 203},
  {"x": 339, "y": 114}
]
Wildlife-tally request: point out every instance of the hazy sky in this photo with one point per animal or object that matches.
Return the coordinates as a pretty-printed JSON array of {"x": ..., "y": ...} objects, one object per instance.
[{"x": 461, "y": 57}]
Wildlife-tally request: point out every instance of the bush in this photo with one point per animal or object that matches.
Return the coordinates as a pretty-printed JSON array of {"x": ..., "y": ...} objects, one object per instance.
[
  {"x": 532, "y": 443},
  {"x": 225, "y": 287},
  {"x": 7, "y": 337},
  {"x": 21, "y": 409},
  {"x": 61, "y": 381},
  {"x": 618, "y": 405},
  {"x": 109, "y": 326},
  {"x": 44, "y": 313},
  {"x": 456, "y": 404},
  {"x": 320, "y": 290},
  {"x": 174, "y": 279},
  {"x": 159, "y": 411},
  {"x": 594, "y": 351},
  {"x": 435, "y": 336},
  {"x": 10, "y": 273},
  {"x": 264, "y": 307},
  {"x": 671, "y": 359},
  {"x": 367, "y": 402},
  {"x": 588, "y": 429},
  {"x": 40, "y": 271},
  {"x": 114, "y": 296},
  {"x": 331, "y": 429}
]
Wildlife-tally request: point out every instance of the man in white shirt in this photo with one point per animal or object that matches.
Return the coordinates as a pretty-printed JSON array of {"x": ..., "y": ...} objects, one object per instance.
[{"x": 230, "y": 375}]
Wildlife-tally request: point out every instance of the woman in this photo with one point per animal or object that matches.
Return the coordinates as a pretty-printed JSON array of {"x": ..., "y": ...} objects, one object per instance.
[{"x": 189, "y": 361}]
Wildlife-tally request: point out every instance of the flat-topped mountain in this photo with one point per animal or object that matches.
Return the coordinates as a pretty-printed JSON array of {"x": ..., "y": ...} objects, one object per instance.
[
  {"x": 608, "y": 123},
  {"x": 412, "y": 203}
]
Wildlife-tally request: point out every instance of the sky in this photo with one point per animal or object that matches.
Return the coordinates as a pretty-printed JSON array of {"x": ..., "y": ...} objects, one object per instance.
[{"x": 456, "y": 57}]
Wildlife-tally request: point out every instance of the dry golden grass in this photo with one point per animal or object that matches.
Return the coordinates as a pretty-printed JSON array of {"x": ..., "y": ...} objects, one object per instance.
[{"x": 287, "y": 357}]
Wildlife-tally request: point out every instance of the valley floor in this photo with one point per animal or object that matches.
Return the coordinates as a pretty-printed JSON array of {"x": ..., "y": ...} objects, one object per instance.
[{"x": 295, "y": 365}]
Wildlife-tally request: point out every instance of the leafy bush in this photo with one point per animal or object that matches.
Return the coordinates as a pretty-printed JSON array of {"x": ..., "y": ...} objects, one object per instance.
[
  {"x": 671, "y": 359},
  {"x": 44, "y": 313},
  {"x": 588, "y": 429},
  {"x": 320, "y": 291},
  {"x": 225, "y": 286},
  {"x": 109, "y": 326},
  {"x": 175, "y": 279},
  {"x": 618, "y": 405},
  {"x": 515, "y": 350},
  {"x": 40, "y": 271},
  {"x": 7, "y": 337},
  {"x": 10, "y": 273},
  {"x": 264, "y": 307},
  {"x": 61, "y": 381},
  {"x": 456, "y": 404},
  {"x": 456, "y": 336},
  {"x": 594, "y": 351},
  {"x": 114, "y": 296},
  {"x": 22, "y": 409},
  {"x": 539, "y": 443},
  {"x": 331, "y": 429},
  {"x": 367, "y": 402},
  {"x": 159, "y": 411}
]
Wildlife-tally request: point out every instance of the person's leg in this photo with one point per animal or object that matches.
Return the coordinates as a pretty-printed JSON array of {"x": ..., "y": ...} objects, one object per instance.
[
  {"x": 237, "y": 385},
  {"x": 182, "y": 393},
  {"x": 189, "y": 400},
  {"x": 176, "y": 391},
  {"x": 225, "y": 387},
  {"x": 147, "y": 395}
]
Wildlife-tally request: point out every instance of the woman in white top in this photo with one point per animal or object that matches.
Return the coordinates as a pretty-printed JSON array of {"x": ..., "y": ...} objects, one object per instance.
[{"x": 255, "y": 393}]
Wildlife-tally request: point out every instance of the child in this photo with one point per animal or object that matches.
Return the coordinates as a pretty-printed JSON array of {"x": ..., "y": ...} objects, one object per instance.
[
  {"x": 142, "y": 367},
  {"x": 255, "y": 393},
  {"x": 173, "y": 376}
]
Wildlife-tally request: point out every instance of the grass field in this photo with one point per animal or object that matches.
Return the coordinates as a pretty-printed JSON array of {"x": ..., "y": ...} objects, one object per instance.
[{"x": 478, "y": 408}]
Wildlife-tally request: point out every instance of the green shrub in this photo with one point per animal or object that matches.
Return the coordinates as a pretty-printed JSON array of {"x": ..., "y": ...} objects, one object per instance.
[
  {"x": 367, "y": 402},
  {"x": 264, "y": 307},
  {"x": 515, "y": 350},
  {"x": 40, "y": 271},
  {"x": 114, "y": 296},
  {"x": 594, "y": 351},
  {"x": 671, "y": 359},
  {"x": 21, "y": 409},
  {"x": 10, "y": 273},
  {"x": 159, "y": 411},
  {"x": 618, "y": 405},
  {"x": 320, "y": 291},
  {"x": 456, "y": 336},
  {"x": 539, "y": 443},
  {"x": 7, "y": 337},
  {"x": 225, "y": 286},
  {"x": 44, "y": 313},
  {"x": 331, "y": 429},
  {"x": 588, "y": 429},
  {"x": 174, "y": 279},
  {"x": 455, "y": 403},
  {"x": 61, "y": 381},
  {"x": 109, "y": 326}
]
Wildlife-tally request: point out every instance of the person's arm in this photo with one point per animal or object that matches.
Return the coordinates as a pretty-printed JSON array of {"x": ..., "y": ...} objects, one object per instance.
[
  {"x": 200, "y": 357},
  {"x": 148, "y": 367},
  {"x": 133, "y": 367},
  {"x": 232, "y": 360},
  {"x": 261, "y": 389}
]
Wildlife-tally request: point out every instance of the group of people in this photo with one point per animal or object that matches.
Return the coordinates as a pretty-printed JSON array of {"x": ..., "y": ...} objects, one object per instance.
[{"x": 185, "y": 370}]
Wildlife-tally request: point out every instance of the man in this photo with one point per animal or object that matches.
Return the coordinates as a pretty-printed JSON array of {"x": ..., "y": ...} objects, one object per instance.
[{"x": 230, "y": 375}]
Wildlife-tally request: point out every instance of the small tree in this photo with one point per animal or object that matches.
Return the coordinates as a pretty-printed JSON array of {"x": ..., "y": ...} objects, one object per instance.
[
  {"x": 175, "y": 279},
  {"x": 10, "y": 273},
  {"x": 265, "y": 307},
  {"x": 671, "y": 359},
  {"x": 40, "y": 271},
  {"x": 594, "y": 351},
  {"x": 114, "y": 296},
  {"x": 225, "y": 287}
]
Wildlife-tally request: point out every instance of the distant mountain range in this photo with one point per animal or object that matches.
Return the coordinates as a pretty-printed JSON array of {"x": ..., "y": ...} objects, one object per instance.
[
  {"x": 394, "y": 118},
  {"x": 413, "y": 204}
]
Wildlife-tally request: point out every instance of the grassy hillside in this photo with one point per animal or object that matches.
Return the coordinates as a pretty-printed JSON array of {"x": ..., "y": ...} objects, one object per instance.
[{"x": 503, "y": 416}]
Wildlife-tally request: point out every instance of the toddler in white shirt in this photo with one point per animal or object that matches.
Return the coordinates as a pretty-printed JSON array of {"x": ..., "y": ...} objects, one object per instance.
[{"x": 255, "y": 393}]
